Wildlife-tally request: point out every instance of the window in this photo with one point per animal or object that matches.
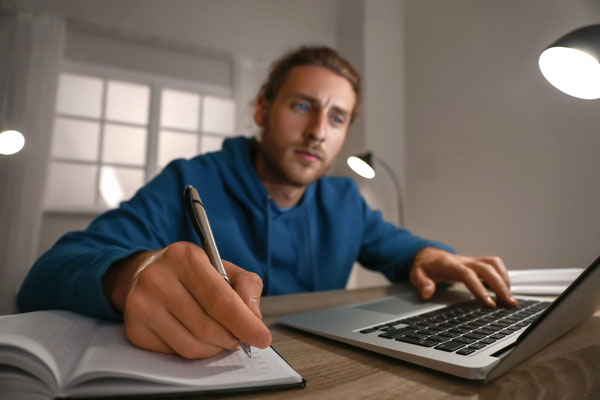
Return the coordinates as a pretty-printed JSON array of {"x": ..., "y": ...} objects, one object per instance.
[{"x": 113, "y": 131}]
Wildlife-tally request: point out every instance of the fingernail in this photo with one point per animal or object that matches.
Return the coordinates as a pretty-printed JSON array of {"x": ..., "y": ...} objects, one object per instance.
[
  {"x": 513, "y": 300},
  {"x": 490, "y": 301}
]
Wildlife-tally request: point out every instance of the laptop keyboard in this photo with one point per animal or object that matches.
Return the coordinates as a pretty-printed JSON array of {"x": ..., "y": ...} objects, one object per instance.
[{"x": 463, "y": 328}]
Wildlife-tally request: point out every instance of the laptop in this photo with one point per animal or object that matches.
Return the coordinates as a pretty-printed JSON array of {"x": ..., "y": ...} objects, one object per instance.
[{"x": 452, "y": 332}]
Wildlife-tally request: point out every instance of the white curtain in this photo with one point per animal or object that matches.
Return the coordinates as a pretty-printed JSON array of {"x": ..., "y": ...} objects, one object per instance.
[{"x": 31, "y": 50}]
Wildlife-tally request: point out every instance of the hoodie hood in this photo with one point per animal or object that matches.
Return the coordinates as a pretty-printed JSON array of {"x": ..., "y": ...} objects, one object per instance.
[{"x": 285, "y": 235}]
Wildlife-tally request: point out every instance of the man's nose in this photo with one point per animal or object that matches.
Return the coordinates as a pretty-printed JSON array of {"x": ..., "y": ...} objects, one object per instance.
[{"x": 317, "y": 128}]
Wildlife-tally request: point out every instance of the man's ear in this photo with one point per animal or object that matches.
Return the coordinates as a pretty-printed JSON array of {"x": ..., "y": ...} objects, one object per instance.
[{"x": 261, "y": 110}]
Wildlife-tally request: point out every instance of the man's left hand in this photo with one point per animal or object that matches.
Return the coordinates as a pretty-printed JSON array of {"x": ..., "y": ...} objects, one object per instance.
[{"x": 433, "y": 265}]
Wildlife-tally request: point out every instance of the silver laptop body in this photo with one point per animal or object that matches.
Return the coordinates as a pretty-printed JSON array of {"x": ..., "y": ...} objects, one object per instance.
[{"x": 361, "y": 324}]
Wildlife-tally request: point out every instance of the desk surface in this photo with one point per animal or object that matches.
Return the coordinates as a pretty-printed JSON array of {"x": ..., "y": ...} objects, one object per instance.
[{"x": 568, "y": 368}]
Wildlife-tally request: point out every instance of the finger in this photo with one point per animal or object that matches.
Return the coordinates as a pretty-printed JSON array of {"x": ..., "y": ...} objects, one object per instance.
[
  {"x": 490, "y": 275},
  {"x": 164, "y": 334},
  {"x": 142, "y": 337},
  {"x": 466, "y": 275},
  {"x": 423, "y": 283},
  {"x": 247, "y": 284},
  {"x": 178, "y": 338},
  {"x": 190, "y": 314},
  {"x": 498, "y": 264},
  {"x": 222, "y": 303}
]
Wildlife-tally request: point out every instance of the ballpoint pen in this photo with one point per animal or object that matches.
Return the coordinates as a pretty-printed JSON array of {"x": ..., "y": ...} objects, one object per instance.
[{"x": 197, "y": 214}]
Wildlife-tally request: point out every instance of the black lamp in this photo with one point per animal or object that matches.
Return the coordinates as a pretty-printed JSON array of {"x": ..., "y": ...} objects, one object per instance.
[
  {"x": 364, "y": 165},
  {"x": 571, "y": 63}
]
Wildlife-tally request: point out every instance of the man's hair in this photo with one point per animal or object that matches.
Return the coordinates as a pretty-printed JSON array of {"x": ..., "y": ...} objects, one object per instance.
[{"x": 317, "y": 56}]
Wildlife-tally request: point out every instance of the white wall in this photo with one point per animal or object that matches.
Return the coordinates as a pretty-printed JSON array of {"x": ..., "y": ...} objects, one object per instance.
[{"x": 499, "y": 162}]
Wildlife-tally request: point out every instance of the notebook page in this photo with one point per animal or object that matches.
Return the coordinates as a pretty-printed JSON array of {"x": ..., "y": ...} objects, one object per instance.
[
  {"x": 111, "y": 355},
  {"x": 58, "y": 338}
]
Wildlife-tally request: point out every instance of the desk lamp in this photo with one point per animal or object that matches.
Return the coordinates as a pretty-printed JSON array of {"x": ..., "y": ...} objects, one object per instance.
[
  {"x": 364, "y": 165},
  {"x": 571, "y": 63}
]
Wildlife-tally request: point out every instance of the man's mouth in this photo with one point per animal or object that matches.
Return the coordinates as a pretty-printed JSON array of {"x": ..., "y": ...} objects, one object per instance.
[{"x": 308, "y": 155}]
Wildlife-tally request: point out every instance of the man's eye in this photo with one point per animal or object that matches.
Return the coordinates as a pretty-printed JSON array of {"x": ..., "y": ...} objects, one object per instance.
[
  {"x": 337, "y": 120},
  {"x": 301, "y": 106}
]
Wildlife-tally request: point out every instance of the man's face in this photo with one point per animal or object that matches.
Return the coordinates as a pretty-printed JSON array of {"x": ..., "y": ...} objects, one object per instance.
[{"x": 304, "y": 127}]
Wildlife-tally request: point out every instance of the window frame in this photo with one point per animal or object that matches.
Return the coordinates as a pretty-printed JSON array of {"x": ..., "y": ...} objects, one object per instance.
[{"x": 156, "y": 84}]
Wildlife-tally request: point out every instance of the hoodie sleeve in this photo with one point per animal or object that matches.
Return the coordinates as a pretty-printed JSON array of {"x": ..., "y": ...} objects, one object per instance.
[
  {"x": 388, "y": 249},
  {"x": 69, "y": 275}
]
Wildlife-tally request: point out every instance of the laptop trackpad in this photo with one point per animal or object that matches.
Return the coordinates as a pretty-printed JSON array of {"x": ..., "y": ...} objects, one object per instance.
[
  {"x": 410, "y": 301},
  {"x": 399, "y": 304}
]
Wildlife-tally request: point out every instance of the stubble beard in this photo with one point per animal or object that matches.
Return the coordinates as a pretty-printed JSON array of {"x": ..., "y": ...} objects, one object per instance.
[{"x": 279, "y": 169}]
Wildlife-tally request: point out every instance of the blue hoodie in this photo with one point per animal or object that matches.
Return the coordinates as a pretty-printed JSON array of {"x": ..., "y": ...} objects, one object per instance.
[{"x": 309, "y": 247}]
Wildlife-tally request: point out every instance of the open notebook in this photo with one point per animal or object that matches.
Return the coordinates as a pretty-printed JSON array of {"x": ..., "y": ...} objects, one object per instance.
[{"x": 49, "y": 354}]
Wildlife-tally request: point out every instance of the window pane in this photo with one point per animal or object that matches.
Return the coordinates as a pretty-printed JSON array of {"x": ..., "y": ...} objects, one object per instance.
[
  {"x": 79, "y": 95},
  {"x": 179, "y": 109},
  {"x": 173, "y": 145},
  {"x": 75, "y": 139},
  {"x": 127, "y": 102},
  {"x": 124, "y": 145},
  {"x": 210, "y": 143},
  {"x": 70, "y": 185},
  {"x": 218, "y": 115},
  {"x": 119, "y": 184}
]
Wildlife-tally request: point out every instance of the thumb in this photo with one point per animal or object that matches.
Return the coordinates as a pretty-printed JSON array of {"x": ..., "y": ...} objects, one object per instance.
[
  {"x": 424, "y": 284},
  {"x": 247, "y": 284}
]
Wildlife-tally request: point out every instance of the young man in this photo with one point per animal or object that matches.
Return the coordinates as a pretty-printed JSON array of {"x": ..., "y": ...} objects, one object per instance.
[{"x": 281, "y": 226}]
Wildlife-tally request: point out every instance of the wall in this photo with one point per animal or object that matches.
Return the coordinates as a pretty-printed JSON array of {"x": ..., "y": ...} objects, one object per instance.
[
  {"x": 258, "y": 28},
  {"x": 499, "y": 162}
]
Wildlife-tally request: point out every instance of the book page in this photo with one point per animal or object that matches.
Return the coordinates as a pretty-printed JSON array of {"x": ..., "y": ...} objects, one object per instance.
[
  {"x": 110, "y": 354},
  {"x": 542, "y": 281},
  {"x": 56, "y": 338}
]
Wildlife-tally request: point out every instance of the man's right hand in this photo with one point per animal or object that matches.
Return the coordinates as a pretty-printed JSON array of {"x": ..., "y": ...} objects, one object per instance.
[{"x": 174, "y": 301}]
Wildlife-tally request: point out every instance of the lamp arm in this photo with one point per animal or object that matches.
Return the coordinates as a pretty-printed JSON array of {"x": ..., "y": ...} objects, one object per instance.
[{"x": 396, "y": 181}]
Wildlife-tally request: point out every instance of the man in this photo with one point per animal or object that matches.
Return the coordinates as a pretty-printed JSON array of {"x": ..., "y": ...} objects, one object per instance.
[{"x": 280, "y": 225}]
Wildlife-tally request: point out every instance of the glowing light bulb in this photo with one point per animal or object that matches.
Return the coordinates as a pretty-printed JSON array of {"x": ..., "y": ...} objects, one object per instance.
[
  {"x": 360, "y": 167},
  {"x": 11, "y": 142},
  {"x": 571, "y": 71}
]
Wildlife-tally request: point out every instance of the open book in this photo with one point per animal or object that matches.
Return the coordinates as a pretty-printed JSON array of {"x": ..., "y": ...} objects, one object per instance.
[{"x": 49, "y": 354}]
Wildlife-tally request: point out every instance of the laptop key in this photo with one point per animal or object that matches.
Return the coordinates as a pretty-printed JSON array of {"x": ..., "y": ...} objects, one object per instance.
[
  {"x": 450, "y": 346},
  {"x": 466, "y": 351},
  {"x": 438, "y": 338},
  {"x": 396, "y": 332},
  {"x": 427, "y": 332},
  {"x": 487, "y": 340},
  {"x": 448, "y": 334},
  {"x": 465, "y": 340},
  {"x": 475, "y": 335},
  {"x": 368, "y": 330},
  {"x": 477, "y": 346},
  {"x": 418, "y": 342},
  {"x": 484, "y": 331}
]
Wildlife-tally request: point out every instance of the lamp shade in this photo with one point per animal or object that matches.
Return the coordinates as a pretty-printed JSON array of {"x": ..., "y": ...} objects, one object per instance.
[
  {"x": 362, "y": 164},
  {"x": 571, "y": 63}
]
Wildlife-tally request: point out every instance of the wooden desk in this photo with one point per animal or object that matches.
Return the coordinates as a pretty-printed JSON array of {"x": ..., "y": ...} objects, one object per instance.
[{"x": 569, "y": 368}]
